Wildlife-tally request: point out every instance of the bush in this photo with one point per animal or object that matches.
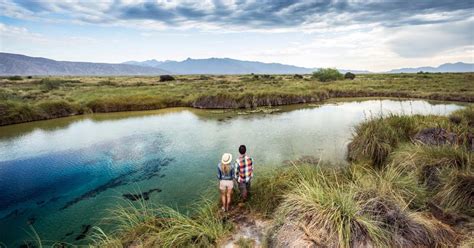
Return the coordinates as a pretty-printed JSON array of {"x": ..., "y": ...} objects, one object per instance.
[
  {"x": 15, "y": 78},
  {"x": 349, "y": 75},
  {"x": 51, "y": 84},
  {"x": 297, "y": 76},
  {"x": 164, "y": 78},
  {"x": 327, "y": 74}
]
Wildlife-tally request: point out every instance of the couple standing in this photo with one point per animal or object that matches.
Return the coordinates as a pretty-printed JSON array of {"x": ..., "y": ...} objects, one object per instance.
[{"x": 241, "y": 171}]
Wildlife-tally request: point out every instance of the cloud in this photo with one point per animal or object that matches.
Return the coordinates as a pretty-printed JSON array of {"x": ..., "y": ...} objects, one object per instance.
[
  {"x": 430, "y": 40},
  {"x": 254, "y": 14}
]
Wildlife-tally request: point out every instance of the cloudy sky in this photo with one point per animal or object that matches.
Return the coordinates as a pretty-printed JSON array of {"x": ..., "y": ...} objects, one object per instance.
[{"x": 372, "y": 35}]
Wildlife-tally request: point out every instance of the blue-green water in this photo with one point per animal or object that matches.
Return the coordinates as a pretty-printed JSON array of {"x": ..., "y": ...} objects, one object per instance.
[{"x": 61, "y": 174}]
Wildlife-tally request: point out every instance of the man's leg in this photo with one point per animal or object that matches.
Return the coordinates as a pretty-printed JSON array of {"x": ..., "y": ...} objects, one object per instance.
[
  {"x": 243, "y": 191},
  {"x": 247, "y": 186}
]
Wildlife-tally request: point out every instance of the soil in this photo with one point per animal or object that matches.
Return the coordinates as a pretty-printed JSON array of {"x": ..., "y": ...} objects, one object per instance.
[{"x": 248, "y": 226}]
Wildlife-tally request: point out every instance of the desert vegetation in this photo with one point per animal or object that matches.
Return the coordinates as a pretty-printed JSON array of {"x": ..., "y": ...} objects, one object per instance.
[{"x": 39, "y": 98}]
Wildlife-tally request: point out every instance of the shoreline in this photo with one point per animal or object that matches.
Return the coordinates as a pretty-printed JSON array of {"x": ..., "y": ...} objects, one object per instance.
[{"x": 303, "y": 101}]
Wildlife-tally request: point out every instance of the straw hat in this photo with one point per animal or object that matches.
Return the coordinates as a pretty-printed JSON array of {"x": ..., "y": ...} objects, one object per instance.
[{"x": 226, "y": 158}]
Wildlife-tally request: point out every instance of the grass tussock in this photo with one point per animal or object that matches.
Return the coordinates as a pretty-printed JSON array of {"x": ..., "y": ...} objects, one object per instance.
[
  {"x": 457, "y": 192},
  {"x": 162, "y": 226},
  {"x": 342, "y": 208},
  {"x": 375, "y": 139}
]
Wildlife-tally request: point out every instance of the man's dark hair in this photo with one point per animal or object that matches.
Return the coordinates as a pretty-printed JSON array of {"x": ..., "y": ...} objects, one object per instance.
[{"x": 242, "y": 149}]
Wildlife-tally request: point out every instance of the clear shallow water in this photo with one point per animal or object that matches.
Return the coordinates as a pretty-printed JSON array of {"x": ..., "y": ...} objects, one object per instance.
[{"x": 62, "y": 174}]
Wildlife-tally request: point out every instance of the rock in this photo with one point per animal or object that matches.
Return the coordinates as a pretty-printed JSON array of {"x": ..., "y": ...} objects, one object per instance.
[
  {"x": 145, "y": 195},
  {"x": 435, "y": 136}
]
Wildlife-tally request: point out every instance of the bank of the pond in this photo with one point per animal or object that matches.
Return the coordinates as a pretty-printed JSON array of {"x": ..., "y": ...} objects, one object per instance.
[
  {"x": 410, "y": 183},
  {"x": 48, "y": 98}
]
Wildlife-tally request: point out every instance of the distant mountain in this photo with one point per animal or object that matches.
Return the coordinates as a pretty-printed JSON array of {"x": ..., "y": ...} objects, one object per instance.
[
  {"x": 16, "y": 64},
  {"x": 223, "y": 66},
  {"x": 448, "y": 67},
  {"x": 150, "y": 63}
]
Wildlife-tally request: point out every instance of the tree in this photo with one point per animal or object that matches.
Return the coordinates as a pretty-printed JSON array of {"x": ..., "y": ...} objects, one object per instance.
[{"x": 327, "y": 74}]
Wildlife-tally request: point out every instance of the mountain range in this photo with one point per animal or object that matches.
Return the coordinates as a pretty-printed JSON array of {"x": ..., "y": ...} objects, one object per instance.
[
  {"x": 448, "y": 67},
  {"x": 17, "y": 64},
  {"x": 222, "y": 66}
]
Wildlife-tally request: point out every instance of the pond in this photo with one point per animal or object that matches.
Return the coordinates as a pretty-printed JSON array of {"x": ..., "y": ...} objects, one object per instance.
[{"x": 62, "y": 175}]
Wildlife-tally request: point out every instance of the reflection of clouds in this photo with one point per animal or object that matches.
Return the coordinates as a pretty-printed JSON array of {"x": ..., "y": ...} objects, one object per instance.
[{"x": 322, "y": 130}]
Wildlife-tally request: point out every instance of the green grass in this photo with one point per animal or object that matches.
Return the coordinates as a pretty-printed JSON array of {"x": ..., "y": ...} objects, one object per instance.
[
  {"x": 162, "y": 226},
  {"x": 19, "y": 99}
]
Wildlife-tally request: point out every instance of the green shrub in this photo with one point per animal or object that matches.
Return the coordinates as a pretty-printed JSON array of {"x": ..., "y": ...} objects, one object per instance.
[
  {"x": 349, "y": 75},
  {"x": 327, "y": 74},
  {"x": 164, "y": 78},
  {"x": 15, "y": 78}
]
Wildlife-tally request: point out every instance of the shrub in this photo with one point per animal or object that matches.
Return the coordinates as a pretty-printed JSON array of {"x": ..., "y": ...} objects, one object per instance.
[
  {"x": 164, "y": 78},
  {"x": 15, "y": 78},
  {"x": 349, "y": 75},
  {"x": 297, "y": 76},
  {"x": 51, "y": 84},
  {"x": 327, "y": 74}
]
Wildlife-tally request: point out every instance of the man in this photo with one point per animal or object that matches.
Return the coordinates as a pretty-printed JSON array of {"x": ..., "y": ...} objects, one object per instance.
[{"x": 243, "y": 172}]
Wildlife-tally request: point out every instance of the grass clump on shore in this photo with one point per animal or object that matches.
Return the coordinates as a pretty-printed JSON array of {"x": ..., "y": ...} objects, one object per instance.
[{"x": 162, "y": 226}]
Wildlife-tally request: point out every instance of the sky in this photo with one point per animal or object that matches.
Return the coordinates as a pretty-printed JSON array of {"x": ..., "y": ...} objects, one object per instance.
[{"x": 358, "y": 35}]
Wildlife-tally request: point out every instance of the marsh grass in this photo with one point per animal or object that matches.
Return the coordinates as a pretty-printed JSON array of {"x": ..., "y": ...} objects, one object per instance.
[
  {"x": 457, "y": 192},
  {"x": 106, "y": 94},
  {"x": 157, "y": 225}
]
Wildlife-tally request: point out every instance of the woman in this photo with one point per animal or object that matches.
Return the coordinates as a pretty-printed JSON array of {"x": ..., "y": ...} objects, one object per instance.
[{"x": 225, "y": 174}]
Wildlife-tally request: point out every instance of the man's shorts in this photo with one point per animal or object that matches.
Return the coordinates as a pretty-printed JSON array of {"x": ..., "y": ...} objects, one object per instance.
[{"x": 226, "y": 184}]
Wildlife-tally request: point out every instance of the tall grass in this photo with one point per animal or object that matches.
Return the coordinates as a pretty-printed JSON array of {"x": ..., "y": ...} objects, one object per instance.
[
  {"x": 373, "y": 140},
  {"x": 163, "y": 226}
]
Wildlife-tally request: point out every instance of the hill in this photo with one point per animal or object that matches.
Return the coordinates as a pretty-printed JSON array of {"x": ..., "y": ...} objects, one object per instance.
[{"x": 16, "y": 64}]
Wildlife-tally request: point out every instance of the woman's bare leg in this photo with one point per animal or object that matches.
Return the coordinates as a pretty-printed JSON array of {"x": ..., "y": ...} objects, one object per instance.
[
  {"x": 229, "y": 199},
  {"x": 223, "y": 198}
]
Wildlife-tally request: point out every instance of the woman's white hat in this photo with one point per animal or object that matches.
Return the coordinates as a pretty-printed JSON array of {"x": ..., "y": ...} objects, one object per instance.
[{"x": 226, "y": 158}]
